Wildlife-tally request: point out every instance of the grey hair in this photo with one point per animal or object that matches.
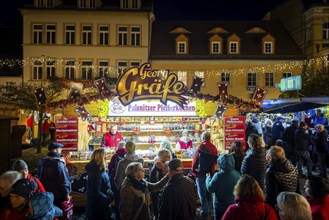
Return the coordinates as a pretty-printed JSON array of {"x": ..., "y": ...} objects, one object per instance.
[
  {"x": 205, "y": 136},
  {"x": 293, "y": 206},
  {"x": 121, "y": 145},
  {"x": 167, "y": 145},
  {"x": 8, "y": 178},
  {"x": 162, "y": 153},
  {"x": 132, "y": 167}
]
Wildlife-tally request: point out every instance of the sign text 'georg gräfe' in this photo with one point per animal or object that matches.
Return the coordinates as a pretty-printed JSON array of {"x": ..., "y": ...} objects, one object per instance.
[{"x": 143, "y": 83}]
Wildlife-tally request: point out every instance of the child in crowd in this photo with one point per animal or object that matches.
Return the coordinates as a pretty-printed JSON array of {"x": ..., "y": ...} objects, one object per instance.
[{"x": 41, "y": 207}]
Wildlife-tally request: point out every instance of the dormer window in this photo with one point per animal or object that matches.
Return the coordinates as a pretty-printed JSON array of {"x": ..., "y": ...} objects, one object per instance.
[
  {"x": 182, "y": 44},
  {"x": 233, "y": 44},
  {"x": 88, "y": 3},
  {"x": 215, "y": 44},
  {"x": 181, "y": 47},
  {"x": 130, "y": 4},
  {"x": 268, "y": 44},
  {"x": 46, "y": 3},
  {"x": 215, "y": 47},
  {"x": 268, "y": 47}
]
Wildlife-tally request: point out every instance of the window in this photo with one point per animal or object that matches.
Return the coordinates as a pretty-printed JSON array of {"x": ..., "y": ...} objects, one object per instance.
[
  {"x": 37, "y": 34},
  {"x": 92, "y": 3},
  {"x": 103, "y": 35},
  {"x": 86, "y": 34},
  {"x": 268, "y": 47},
  {"x": 134, "y": 4},
  {"x": 325, "y": 31},
  {"x": 39, "y": 3},
  {"x": 69, "y": 69},
  {"x": 123, "y": 36},
  {"x": 200, "y": 74},
  {"x": 215, "y": 47},
  {"x": 134, "y": 64},
  {"x": 286, "y": 74},
  {"x": 37, "y": 70},
  {"x": 103, "y": 68},
  {"x": 225, "y": 78},
  {"x": 69, "y": 34},
  {"x": 125, "y": 4},
  {"x": 86, "y": 70},
  {"x": 135, "y": 36},
  {"x": 251, "y": 79},
  {"x": 181, "y": 47},
  {"x": 50, "y": 3},
  {"x": 51, "y": 34},
  {"x": 121, "y": 66},
  {"x": 50, "y": 69},
  {"x": 83, "y": 3},
  {"x": 233, "y": 47},
  {"x": 182, "y": 76},
  {"x": 269, "y": 79}
]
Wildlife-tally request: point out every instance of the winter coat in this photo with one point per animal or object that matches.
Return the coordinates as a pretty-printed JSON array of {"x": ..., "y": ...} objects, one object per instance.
[
  {"x": 38, "y": 184},
  {"x": 110, "y": 140},
  {"x": 98, "y": 187},
  {"x": 122, "y": 165},
  {"x": 132, "y": 199},
  {"x": 277, "y": 131},
  {"x": 320, "y": 208},
  {"x": 321, "y": 142},
  {"x": 54, "y": 176},
  {"x": 288, "y": 136},
  {"x": 155, "y": 176},
  {"x": 115, "y": 159},
  {"x": 238, "y": 161},
  {"x": 258, "y": 126},
  {"x": 254, "y": 164},
  {"x": 19, "y": 213},
  {"x": 4, "y": 201},
  {"x": 210, "y": 148},
  {"x": 281, "y": 176},
  {"x": 177, "y": 199},
  {"x": 43, "y": 208},
  {"x": 222, "y": 183},
  {"x": 302, "y": 137},
  {"x": 252, "y": 208}
]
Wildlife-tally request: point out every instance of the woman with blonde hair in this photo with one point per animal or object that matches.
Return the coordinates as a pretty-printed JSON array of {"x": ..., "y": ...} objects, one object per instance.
[
  {"x": 135, "y": 192},
  {"x": 98, "y": 187},
  {"x": 281, "y": 175},
  {"x": 249, "y": 202},
  {"x": 254, "y": 163}
]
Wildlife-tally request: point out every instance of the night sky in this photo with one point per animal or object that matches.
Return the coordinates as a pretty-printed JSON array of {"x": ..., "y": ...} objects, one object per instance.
[{"x": 175, "y": 9}]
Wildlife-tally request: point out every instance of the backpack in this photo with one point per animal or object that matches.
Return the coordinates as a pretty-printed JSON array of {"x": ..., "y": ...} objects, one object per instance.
[{"x": 206, "y": 161}]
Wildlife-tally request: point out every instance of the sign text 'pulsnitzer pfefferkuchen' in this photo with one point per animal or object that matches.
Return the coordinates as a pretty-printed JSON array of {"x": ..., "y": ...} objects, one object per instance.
[{"x": 143, "y": 83}]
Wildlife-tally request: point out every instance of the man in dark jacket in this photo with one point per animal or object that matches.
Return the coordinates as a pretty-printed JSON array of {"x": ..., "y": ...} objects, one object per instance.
[
  {"x": 322, "y": 148},
  {"x": 53, "y": 174},
  {"x": 178, "y": 198},
  {"x": 302, "y": 137},
  {"x": 288, "y": 137},
  {"x": 277, "y": 130}
]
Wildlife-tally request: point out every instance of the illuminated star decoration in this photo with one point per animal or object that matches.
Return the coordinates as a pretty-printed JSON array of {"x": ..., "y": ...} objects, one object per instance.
[
  {"x": 102, "y": 87},
  {"x": 258, "y": 97},
  {"x": 75, "y": 92},
  {"x": 82, "y": 112},
  {"x": 222, "y": 93},
  {"x": 220, "y": 111},
  {"x": 196, "y": 85},
  {"x": 40, "y": 95}
]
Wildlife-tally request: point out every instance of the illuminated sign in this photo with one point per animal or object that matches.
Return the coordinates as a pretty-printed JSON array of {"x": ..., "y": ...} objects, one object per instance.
[
  {"x": 143, "y": 83},
  {"x": 291, "y": 83}
]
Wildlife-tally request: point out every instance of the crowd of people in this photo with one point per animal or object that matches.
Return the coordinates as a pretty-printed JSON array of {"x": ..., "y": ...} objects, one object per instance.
[{"x": 261, "y": 182}]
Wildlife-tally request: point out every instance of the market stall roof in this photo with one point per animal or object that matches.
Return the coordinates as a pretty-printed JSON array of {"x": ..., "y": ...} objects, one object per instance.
[{"x": 294, "y": 105}]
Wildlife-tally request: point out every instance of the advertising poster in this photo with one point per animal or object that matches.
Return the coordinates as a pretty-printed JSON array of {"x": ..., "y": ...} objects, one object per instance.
[
  {"x": 67, "y": 132},
  {"x": 234, "y": 130}
]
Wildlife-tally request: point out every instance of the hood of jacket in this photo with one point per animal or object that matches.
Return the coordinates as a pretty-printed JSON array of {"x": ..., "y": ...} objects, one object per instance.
[
  {"x": 43, "y": 208},
  {"x": 226, "y": 162},
  {"x": 281, "y": 165}
]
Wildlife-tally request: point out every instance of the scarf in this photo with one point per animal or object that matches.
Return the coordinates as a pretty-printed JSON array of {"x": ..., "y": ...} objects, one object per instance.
[{"x": 139, "y": 185}]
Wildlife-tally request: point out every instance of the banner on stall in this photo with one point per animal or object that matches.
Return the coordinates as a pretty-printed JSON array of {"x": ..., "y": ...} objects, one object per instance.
[
  {"x": 67, "y": 128},
  {"x": 234, "y": 130}
]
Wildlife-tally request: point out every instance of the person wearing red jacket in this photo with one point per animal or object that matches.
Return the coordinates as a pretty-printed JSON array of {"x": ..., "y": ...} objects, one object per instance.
[
  {"x": 29, "y": 124},
  {"x": 200, "y": 178},
  {"x": 21, "y": 166},
  {"x": 185, "y": 142},
  {"x": 111, "y": 139},
  {"x": 317, "y": 189},
  {"x": 249, "y": 202}
]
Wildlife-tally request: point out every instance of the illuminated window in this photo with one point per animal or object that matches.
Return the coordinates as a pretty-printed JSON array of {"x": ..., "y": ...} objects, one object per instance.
[
  {"x": 252, "y": 79},
  {"x": 86, "y": 70},
  {"x": 103, "y": 68},
  {"x": 37, "y": 70},
  {"x": 121, "y": 67},
  {"x": 135, "y": 36},
  {"x": 325, "y": 31},
  {"x": 269, "y": 79},
  {"x": 122, "y": 36},
  {"x": 69, "y": 69},
  {"x": 86, "y": 34},
  {"x": 182, "y": 76},
  {"x": 50, "y": 69},
  {"x": 51, "y": 34},
  {"x": 37, "y": 34},
  {"x": 69, "y": 34},
  {"x": 225, "y": 78},
  {"x": 103, "y": 35}
]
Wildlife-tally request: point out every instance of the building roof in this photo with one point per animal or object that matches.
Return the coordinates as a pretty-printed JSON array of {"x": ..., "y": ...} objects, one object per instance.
[
  {"x": 163, "y": 42},
  {"x": 10, "y": 51}
]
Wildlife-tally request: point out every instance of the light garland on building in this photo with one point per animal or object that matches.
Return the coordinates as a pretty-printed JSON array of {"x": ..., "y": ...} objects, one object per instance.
[{"x": 208, "y": 73}]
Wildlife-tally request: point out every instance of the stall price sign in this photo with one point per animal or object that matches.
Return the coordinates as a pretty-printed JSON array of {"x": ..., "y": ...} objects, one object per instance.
[
  {"x": 67, "y": 132},
  {"x": 234, "y": 130}
]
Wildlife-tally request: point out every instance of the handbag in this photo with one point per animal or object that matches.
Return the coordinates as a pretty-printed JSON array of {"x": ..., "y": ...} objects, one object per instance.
[
  {"x": 67, "y": 208},
  {"x": 206, "y": 161}
]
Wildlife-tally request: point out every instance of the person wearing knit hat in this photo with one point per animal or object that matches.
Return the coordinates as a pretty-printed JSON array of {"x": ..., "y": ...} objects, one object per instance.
[
  {"x": 177, "y": 199},
  {"x": 21, "y": 166},
  {"x": 20, "y": 194},
  {"x": 42, "y": 208}
]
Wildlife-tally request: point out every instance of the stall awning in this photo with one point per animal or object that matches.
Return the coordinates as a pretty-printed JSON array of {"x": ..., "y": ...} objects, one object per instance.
[{"x": 294, "y": 105}]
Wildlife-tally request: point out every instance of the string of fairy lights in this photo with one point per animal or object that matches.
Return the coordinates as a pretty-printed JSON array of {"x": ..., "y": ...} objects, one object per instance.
[{"x": 58, "y": 63}]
